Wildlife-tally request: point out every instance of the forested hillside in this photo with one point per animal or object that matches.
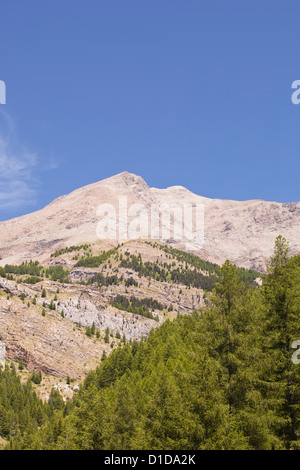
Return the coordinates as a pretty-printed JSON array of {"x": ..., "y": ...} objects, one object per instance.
[{"x": 220, "y": 378}]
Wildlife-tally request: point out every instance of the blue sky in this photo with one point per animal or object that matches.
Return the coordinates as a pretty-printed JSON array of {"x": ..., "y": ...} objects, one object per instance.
[{"x": 192, "y": 93}]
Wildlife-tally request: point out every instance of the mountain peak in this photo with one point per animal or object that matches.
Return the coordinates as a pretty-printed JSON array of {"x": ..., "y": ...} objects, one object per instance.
[{"x": 130, "y": 180}]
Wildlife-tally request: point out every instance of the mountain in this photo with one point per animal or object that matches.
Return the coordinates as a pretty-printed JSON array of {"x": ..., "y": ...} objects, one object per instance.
[
  {"x": 242, "y": 231},
  {"x": 81, "y": 295}
]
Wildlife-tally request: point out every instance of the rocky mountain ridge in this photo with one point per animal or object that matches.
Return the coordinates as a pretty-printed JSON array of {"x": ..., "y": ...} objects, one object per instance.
[{"x": 243, "y": 231}]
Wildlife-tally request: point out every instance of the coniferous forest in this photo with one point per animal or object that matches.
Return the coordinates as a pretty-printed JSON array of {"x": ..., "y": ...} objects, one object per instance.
[{"x": 224, "y": 377}]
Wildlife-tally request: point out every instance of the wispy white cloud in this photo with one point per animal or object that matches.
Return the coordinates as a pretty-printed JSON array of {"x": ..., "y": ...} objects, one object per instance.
[{"x": 18, "y": 184}]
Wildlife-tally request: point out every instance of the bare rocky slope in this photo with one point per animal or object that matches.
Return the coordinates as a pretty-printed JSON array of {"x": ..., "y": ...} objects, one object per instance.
[
  {"x": 55, "y": 340},
  {"x": 242, "y": 231}
]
